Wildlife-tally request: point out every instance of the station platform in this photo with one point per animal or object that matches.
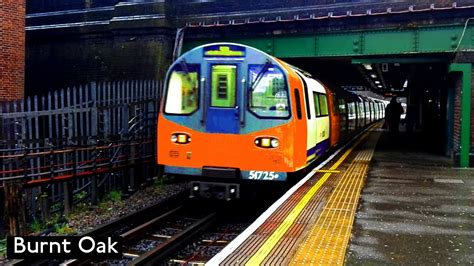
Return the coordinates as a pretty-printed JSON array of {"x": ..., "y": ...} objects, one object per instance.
[
  {"x": 415, "y": 208},
  {"x": 329, "y": 218}
]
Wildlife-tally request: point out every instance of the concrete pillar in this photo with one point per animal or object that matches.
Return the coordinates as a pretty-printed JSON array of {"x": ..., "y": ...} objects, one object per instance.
[{"x": 464, "y": 103}]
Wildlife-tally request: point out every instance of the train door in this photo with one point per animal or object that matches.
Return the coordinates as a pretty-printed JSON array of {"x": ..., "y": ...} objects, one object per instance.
[
  {"x": 322, "y": 123},
  {"x": 367, "y": 112},
  {"x": 377, "y": 106},
  {"x": 371, "y": 112},
  {"x": 352, "y": 115},
  {"x": 360, "y": 114},
  {"x": 343, "y": 114},
  {"x": 222, "y": 107}
]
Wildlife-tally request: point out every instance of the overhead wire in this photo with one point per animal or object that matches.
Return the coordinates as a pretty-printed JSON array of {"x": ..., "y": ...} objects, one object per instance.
[{"x": 462, "y": 35}]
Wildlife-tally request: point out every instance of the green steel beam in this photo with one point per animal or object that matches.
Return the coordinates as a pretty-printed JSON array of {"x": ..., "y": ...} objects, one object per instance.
[
  {"x": 466, "y": 70},
  {"x": 391, "y": 60},
  {"x": 414, "y": 40}
]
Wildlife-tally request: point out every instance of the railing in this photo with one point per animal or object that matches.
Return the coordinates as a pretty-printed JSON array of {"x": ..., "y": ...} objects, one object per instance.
[{"x": 94, "y": 138}]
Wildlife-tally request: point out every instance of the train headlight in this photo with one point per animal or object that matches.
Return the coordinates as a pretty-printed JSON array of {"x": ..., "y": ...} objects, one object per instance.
[
  {"x": 180, "y": 138},
  {"x": 275, "y": 143},
  {"x": 267, "y": 142},
  {"x": 174, "y": 138}
]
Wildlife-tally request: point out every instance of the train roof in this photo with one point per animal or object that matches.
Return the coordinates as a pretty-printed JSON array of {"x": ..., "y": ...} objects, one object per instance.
[{"x": 226, "y": 50}]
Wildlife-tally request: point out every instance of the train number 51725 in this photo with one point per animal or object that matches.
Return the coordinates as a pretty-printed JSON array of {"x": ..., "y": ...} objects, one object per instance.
[{"x": 262, "y": 175}]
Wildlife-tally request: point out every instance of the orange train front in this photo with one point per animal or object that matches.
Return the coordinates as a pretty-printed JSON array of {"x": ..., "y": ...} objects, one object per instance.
[{"x": 232, "y": 114}]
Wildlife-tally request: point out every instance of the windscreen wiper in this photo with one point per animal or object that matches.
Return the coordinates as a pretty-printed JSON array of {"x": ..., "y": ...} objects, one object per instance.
[
  {"x": 260, "y": 74},
  {"x": 185, "y": 68}
]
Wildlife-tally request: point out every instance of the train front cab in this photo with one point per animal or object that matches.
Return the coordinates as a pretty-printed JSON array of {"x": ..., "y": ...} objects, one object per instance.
[{"x": 231, "y": 113}]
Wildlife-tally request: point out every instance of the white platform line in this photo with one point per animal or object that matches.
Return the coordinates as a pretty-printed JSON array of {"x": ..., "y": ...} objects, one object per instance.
[
  {"x": 232, "y": 246},
  {"x": 448, "y": 181}
]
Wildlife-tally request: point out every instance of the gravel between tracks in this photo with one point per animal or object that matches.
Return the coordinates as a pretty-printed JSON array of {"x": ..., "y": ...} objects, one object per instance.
[
  {"x": 82, "y": 221},
  {"x": 86, "y": 218}
]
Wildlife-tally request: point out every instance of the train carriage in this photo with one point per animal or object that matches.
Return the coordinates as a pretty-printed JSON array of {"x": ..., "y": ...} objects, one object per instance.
[{"x": 232, "y": 114}]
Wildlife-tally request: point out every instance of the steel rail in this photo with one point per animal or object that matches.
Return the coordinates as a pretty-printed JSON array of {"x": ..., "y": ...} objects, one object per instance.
[
  {"x": 109, "y": 228},
  {"x": 166, "y": 248}
]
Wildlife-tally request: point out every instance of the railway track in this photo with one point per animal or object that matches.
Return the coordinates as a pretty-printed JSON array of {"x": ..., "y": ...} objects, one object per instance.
[
  {"x": 174, "y": 232},
  {"x": 202, "y": 249},
  {"x": 120, "y": 225},
  {"x": 187, "y": 235},
  {"x": 153, "y": 241}
]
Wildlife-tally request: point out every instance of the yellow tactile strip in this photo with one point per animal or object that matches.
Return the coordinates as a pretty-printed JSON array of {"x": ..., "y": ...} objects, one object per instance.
[
  {"x": 275, "y": 242},
  {"x": 327, "y": 240},
  {"x": 255, "y": 241},
  {"x": 272, "y": 241}
]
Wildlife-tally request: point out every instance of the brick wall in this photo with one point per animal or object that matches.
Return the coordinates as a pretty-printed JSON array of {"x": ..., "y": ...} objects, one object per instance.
[{"x": 12, "y": 49}]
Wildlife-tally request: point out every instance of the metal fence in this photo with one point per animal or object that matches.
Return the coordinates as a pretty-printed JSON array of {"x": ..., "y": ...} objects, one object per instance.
[{"x": 93, "y": 138}]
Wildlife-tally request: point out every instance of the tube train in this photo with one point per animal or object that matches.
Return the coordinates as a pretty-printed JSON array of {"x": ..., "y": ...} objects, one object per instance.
[{"x": 232, "y": 115}]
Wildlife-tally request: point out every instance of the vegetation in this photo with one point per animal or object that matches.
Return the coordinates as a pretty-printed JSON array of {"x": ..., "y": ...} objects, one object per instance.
[
  {"x": 63, "y": 229},
  {"x": 57, "y": 206},
  {"x": 113, "y": 196},
  {"x": 59, "y": 222},
  {"x": 37, "y": 226},
  {"x": 79, "y": 196},
  {"x": 3, "y": 247},
  {"x": 159, "y": 183}
]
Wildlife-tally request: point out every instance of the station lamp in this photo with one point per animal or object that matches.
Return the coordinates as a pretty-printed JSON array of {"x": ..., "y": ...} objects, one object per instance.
[
  {"x": 373, "y": 75},
  {"x": 368, "y": 66}
]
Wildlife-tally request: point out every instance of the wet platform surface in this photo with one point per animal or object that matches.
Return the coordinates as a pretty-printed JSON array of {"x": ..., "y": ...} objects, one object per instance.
[
  {"x": 415, "y": 209},
  {"x": 311, "y": 223},
  {"x": 381, "y": 202}
]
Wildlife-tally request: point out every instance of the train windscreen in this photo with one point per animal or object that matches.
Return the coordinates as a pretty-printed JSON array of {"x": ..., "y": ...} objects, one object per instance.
[
  {"x": 268, "y": 95},
  {"x": 182, "y": 95}
]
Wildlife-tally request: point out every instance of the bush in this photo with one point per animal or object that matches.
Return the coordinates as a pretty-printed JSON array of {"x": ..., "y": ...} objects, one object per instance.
[
  {"x": 63, "y": 229},
  {"x": 36, "y": 226},
  {"x": 114, "y": 196}
]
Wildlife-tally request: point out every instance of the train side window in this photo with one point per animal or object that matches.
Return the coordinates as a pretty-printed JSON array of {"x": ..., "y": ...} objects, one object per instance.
[
  {"x": 317, "y": 109},
  {"x": 352, "y": 110},
  {"x": 342, "y": 106},
  {"x": 182, "y": 95},
  {"x": 323, "y": 104},
  {"x": 223, "y": 86},
  {"x": 298, "y": 104}
]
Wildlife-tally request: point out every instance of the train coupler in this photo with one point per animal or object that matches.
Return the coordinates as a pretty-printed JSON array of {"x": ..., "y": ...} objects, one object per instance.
[{"x": 213, "y": 190}]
